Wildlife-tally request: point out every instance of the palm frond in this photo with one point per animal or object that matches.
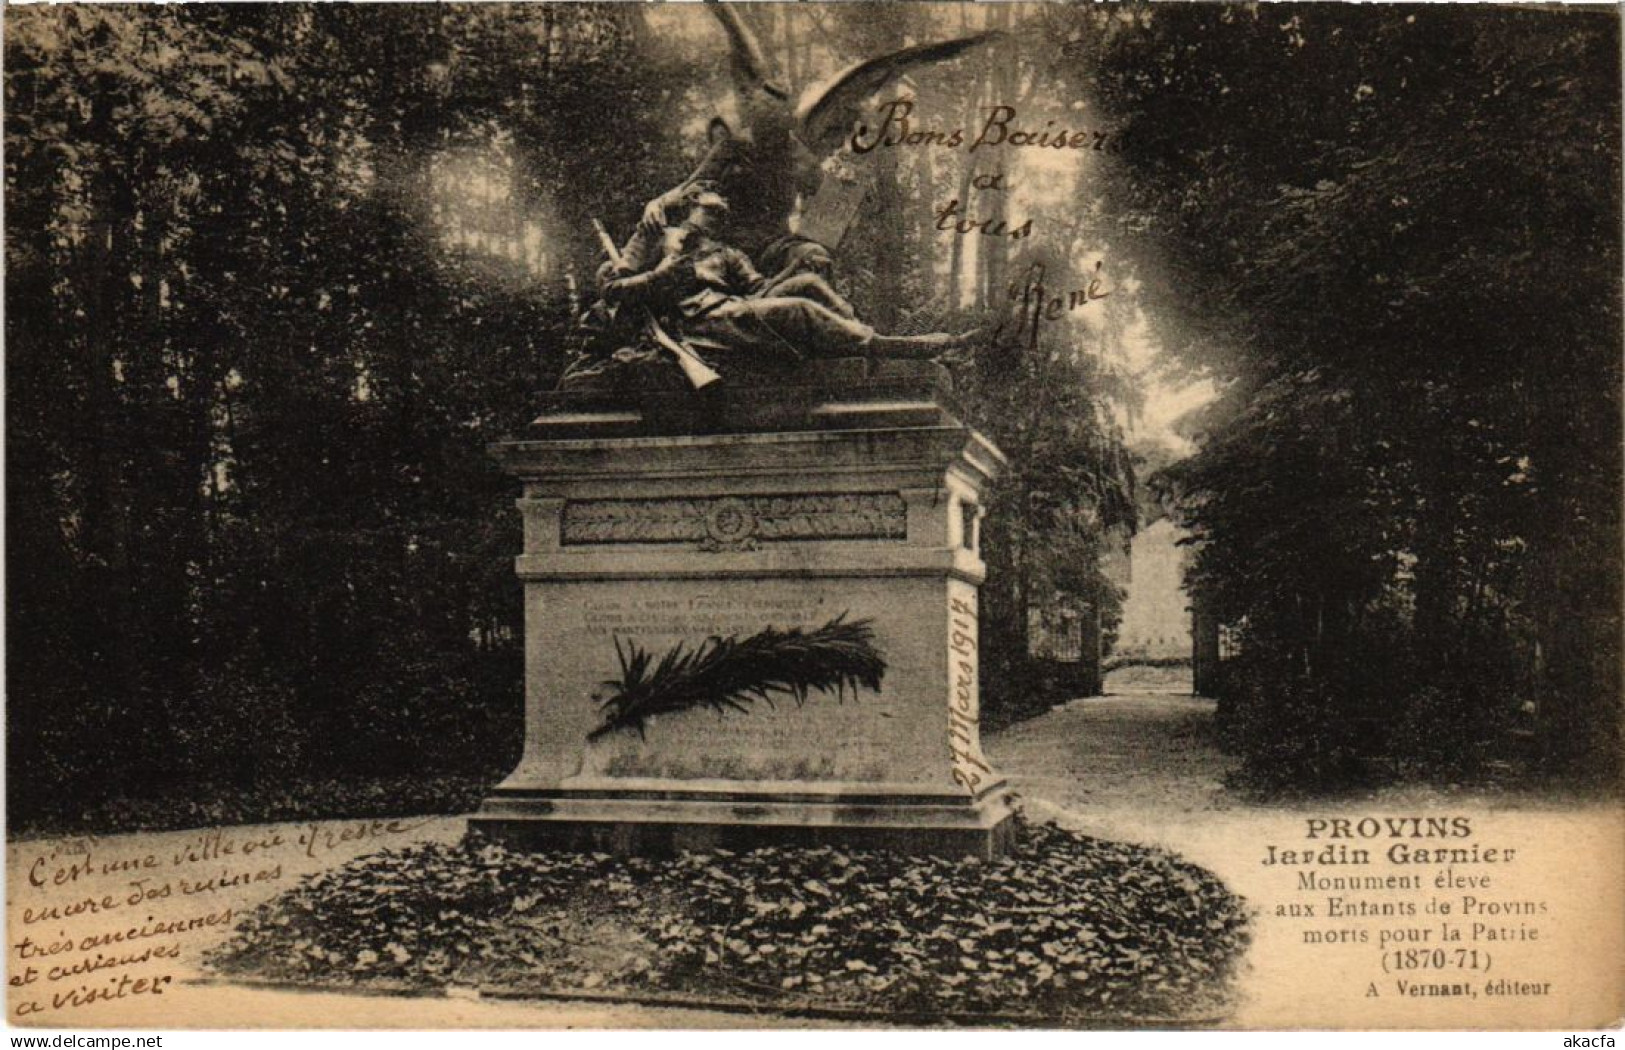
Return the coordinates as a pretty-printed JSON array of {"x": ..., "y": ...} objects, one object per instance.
[{"x": 731, "y": 674}]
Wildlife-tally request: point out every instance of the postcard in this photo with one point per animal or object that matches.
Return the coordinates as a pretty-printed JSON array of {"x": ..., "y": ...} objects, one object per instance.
[{"x": 746, "y": 515}]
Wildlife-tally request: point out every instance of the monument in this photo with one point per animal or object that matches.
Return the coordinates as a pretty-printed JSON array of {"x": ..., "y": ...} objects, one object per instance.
[{"x": 751, "y": 534}]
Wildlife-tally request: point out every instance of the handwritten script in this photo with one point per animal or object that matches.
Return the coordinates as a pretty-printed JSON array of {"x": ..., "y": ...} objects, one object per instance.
[
  {"x": 94, "y": 921},
  {"x": 1032, "y": 304},
  {"x": 999, "y": 128}
]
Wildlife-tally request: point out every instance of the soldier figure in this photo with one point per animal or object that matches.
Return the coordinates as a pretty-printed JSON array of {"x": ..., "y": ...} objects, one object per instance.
[{"x": 714, "y": 296}]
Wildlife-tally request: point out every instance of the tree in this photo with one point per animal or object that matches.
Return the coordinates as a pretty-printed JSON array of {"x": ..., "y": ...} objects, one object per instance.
[{"x": 1355, "y": 219}]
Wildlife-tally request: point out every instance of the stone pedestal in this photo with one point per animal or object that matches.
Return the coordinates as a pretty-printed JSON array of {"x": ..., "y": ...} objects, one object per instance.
[{"x": 671, "y": 518}]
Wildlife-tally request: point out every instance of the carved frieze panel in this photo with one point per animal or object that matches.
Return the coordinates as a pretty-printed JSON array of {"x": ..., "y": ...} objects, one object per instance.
[{"x": 735, "y": 522}]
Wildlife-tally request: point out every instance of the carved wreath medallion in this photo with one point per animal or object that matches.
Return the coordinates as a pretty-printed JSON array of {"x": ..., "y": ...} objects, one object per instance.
[{"x": 730, "y": 524}]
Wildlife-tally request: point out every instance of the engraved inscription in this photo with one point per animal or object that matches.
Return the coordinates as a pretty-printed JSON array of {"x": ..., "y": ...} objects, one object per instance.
[
  {"x": 735, "y": 522},
  {"x": 773, "y": 744},
  {"x": 696, "y": 616}
]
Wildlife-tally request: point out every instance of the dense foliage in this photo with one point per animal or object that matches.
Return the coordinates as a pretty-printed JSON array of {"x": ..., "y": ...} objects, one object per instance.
[
  {"x": 252, "y": 535},
  {"x": 1392, "y": 233},
  {"x": 1065, "y": 928}
]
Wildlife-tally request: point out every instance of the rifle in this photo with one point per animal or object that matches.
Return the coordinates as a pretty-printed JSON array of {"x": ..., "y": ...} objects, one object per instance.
[{"x": 699, "y": 374}]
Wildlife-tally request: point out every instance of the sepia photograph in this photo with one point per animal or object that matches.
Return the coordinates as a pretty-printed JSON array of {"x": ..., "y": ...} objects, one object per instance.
[{"x": 696, "y": 516}]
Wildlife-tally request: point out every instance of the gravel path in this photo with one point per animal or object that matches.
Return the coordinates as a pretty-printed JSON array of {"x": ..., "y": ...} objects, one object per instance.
[{"x": 1129, "y": 754}]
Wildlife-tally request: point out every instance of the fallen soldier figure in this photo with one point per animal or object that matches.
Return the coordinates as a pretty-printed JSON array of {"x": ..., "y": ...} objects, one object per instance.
[{"x": 710, "y": 296}]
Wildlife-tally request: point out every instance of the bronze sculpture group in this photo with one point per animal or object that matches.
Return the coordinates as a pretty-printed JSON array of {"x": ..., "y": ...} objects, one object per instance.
[{"x": 679, "y": 292}]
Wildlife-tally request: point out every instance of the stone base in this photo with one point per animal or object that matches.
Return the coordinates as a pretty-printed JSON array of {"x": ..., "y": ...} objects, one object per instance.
[
  {"x": 657, "y": 522},
  {"x": 839, "y": 394},
  {"x": 665, "y": 822}
]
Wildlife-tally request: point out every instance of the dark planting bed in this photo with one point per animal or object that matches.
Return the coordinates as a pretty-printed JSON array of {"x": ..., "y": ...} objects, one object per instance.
[{"x": 1065, "y": 930}]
